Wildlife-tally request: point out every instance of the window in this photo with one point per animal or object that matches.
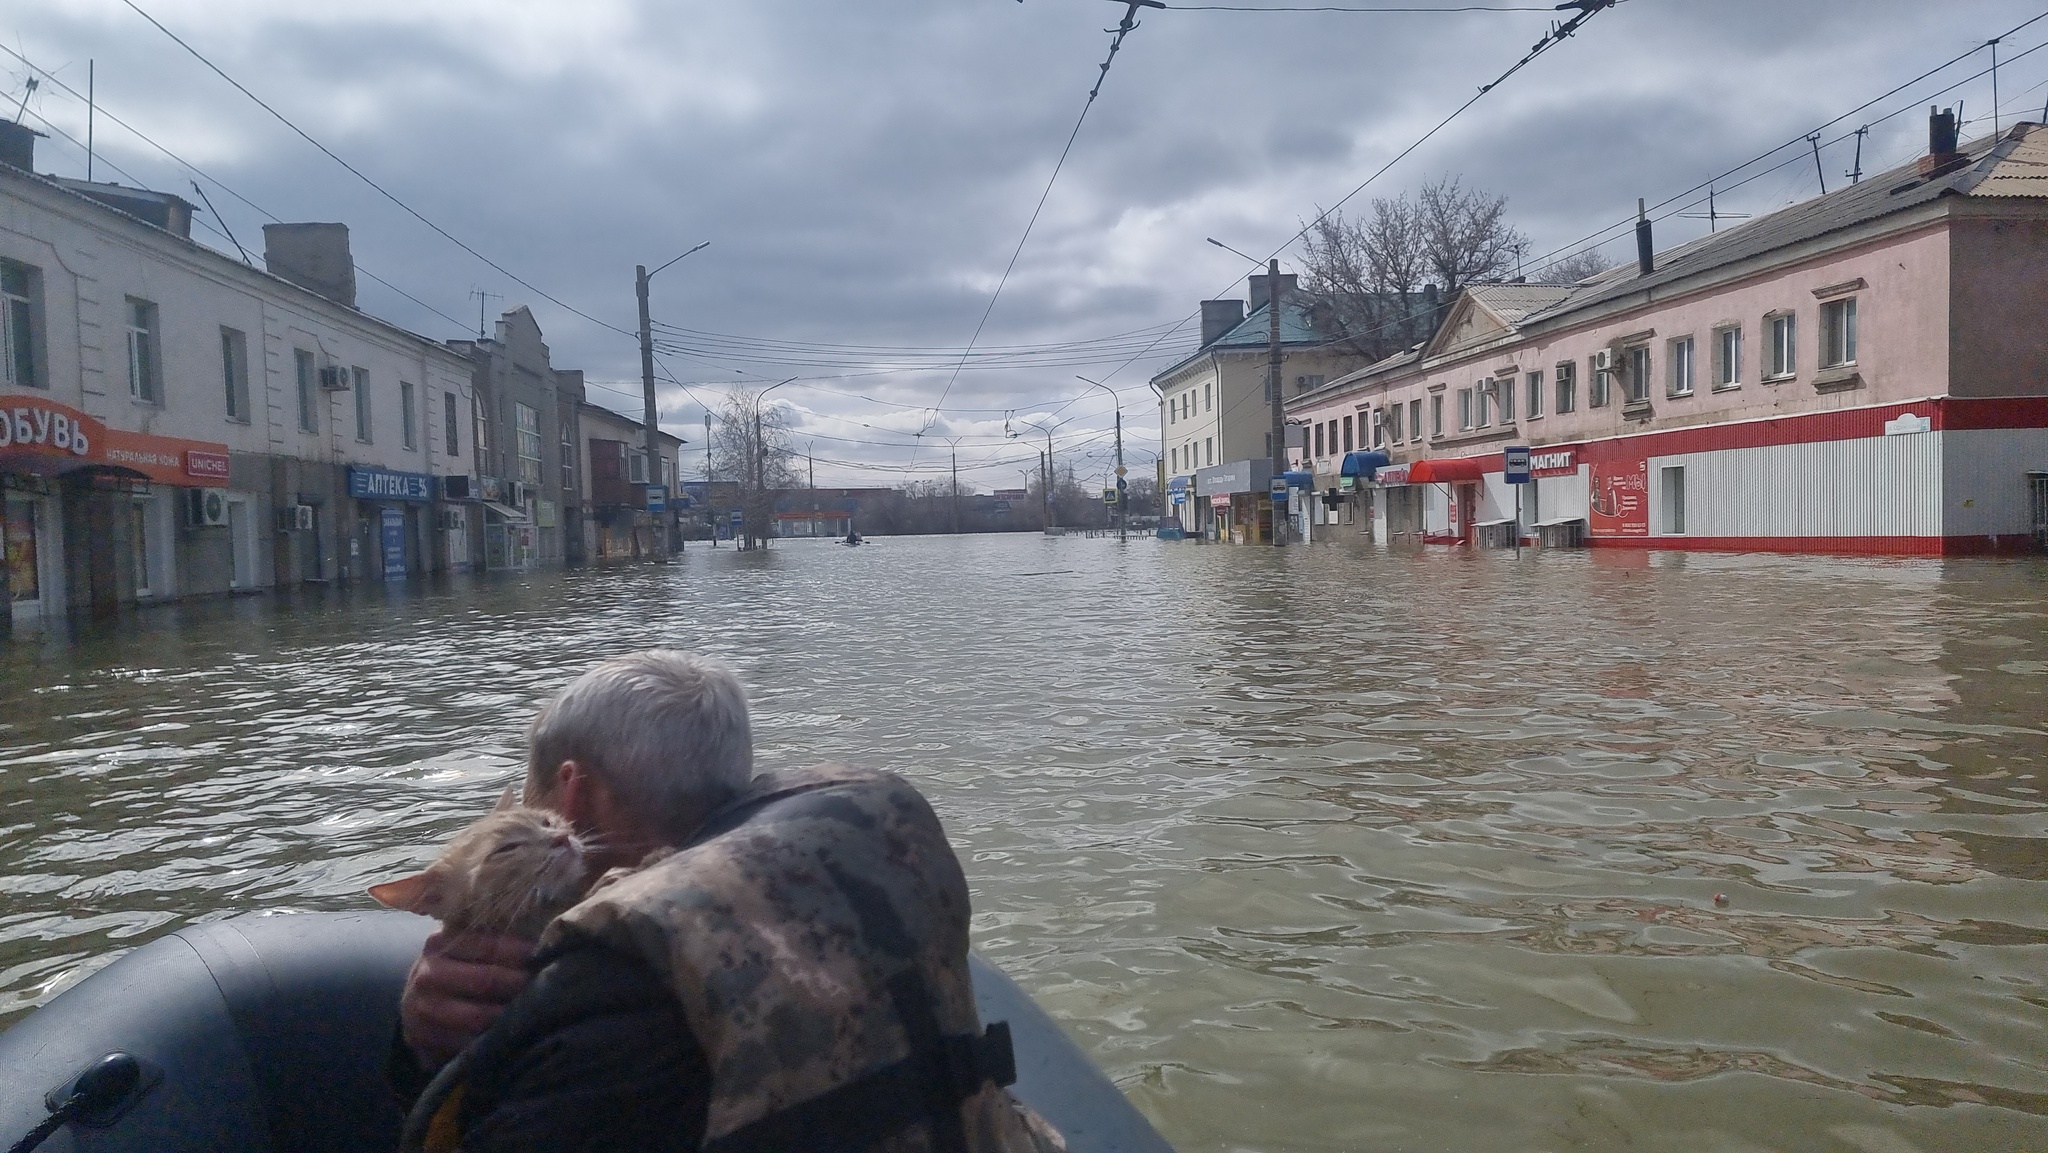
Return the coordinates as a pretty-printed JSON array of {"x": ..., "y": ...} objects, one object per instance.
[
  {"x": 1784, "y": 345},
  {"x": 1209, "y": 446},
  {"x": 1319, "y": 439},
  {"x": 1347, "y": 434},
  {"x": 1173, "y": 410},
  {"x": 1598, "y": 379},
  {"x": 1838, "y": 333},
  {"x": 139, "y": 547},
  {"x": 1506, "y": 397},
  {"x": 450, "y": 442},
  {"x": 1436, "y": 414},
  {"x": 359, "y": 379},
  {"x": 1415, "y": 420},
  {"x": 1394, "y": 423},
  {"x": 1638, "y": 382},
  {"x": 528, "y": 428},
  {"x": 309, "y": 390},
  {"x": 1208, "y": 400},
  {"x": 1567, "y": 387},
  {"x": 1674, "y": 500},
  {"x": 1482, "y": 403},
  {"x": 1312, "y": 380},
  {"x": 482, "y": 436},
  {"x": 145, "y": 375},
  {"x": 1379, "y": 427},
  {"x": 1464, "y": 409},
  {"x": 18, "y": 295},
  {"x": 409, "y": 414},
  {"x": 1681, "y": 367},
  {"x": 1728, "y": 358},
  {"x": 234, "y": 373},
  {"x": 568, "y": 458},
  {"x": 1534, "y": 381},
  {"x": 637, "y": 472}
]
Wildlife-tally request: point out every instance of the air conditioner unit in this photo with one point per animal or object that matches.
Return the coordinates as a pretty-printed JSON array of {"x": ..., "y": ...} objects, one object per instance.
[
  {"x": 1603, "y": 360},
  {"x": 453, "y": 520},
  {"x": 334, "y": 378},
  {"x": 295, "y": 518},
  {"x": 206, "y": 507},
  {"x": 458, "y": 487}
]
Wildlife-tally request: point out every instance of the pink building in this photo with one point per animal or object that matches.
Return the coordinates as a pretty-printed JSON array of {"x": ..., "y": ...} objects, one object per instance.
[{"x": 1865, "y": 372}]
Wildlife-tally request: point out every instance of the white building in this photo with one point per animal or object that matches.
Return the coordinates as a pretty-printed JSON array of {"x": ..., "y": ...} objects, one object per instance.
[{"x": 181, "y": 423}]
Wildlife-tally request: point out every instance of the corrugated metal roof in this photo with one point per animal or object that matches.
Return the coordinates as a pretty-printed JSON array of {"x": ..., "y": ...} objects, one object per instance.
[
  {"x": 1295, "y": 328},
  {"x": 1514, "y": 301},
  {"x": 2023, "y": 172},
  {"x": 1877, "y": 196}
]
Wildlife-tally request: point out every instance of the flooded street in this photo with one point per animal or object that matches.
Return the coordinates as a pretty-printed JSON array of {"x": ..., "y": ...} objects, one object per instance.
[{"x": 1323, "y": 848}]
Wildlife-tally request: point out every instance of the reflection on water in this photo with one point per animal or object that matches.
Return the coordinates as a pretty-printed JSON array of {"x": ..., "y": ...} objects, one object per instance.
[{"x": 1314, "y": 849}]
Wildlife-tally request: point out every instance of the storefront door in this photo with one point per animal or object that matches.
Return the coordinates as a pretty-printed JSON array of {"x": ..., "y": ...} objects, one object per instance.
[
  {"x": 29, "y": 557},
  {"x": 242, "y": 573}
]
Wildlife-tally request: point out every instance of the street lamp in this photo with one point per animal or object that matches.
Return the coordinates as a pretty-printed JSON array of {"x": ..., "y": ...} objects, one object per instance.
[
  {"x": 1276, "y": 450},
  {"x": 640, "y": 278},
  {"x": 761, "y": 452},
  {"x": 1120, "y": 513},
  {"x": 1051, "y": 510}
]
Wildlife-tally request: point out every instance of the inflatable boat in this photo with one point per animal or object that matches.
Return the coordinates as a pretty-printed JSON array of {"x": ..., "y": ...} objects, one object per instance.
[{"x": 270, "y": 1033}]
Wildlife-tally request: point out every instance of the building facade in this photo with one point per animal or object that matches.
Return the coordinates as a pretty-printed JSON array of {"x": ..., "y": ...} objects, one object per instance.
[
  {"x": 1214, "y": 410},
  {"x": 526, "y": 437},
  {"x": 181, "y": 423},
  {"x": 624, "y": 506},
  {"x": 1864, "y": 372}
]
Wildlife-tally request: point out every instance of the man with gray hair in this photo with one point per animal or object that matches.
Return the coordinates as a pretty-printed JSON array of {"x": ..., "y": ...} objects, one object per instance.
[{"x": 636, "y": 752}]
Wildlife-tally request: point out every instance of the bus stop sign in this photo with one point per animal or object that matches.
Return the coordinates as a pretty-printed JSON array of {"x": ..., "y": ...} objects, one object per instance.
[{"x": 1515, "y": 463}]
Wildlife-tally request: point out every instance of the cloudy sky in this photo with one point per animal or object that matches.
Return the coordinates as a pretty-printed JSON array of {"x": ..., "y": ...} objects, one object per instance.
[{"x": 864, "y": 171}]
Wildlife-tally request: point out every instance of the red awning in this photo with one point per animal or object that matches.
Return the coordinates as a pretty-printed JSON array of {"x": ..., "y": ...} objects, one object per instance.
[{"x": 1466, "y": 468}]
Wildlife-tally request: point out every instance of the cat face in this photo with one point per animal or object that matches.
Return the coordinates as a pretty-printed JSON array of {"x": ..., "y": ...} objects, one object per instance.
[{"x": 511, "y": 872}]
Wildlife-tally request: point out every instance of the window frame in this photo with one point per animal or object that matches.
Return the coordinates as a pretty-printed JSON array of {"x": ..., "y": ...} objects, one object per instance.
[
  {"x": 1465, "y": 410},
  {"x": 1565, "y": 387},
  {"x": 144, "y": 324},
  {"x": 1394, "y": 423},
  {"x": 1319, "y": 441},
  {"x": 1727, "y": 368},
  {"x": 1683, "y": 353},
  {"x": 21, "y": 327},
  {"x": 1838, "y": 333},
  {"x": 306, "y": 373},
  {"x": 1784, "y": 330},
  {"x": 1533, "y": 382},
  {"x": 451, "y": 427},
  {"x": 234, "y": 373},
  {"x": 359, "y": 380},
  {"x": 409, "y": 417},
  {"x": 1415, "y": 420},
  {"x": 1599, "y": 384},
  {"x": 1504, "y": 400},
  {"x": 1640, "y": 366},
  {"x": 1436, "y": 414}
]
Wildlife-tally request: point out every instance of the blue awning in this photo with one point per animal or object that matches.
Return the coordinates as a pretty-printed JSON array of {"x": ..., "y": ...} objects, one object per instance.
[
  {"x": 1364, "y": 464},
  {"x": 1299, "y": 478}
]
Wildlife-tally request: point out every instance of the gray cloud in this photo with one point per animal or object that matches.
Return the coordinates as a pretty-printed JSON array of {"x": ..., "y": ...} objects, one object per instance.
[{"x": 864, "y": 171}]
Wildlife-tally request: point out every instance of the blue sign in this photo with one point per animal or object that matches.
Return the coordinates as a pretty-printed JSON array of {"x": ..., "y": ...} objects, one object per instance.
[
  {"x": 1278, "y": 487},
  {"x": 1179, "y": 496},
  {"x": 1002, "y": 508},
  {"x": 367, "y": 483},
  {"x": 1515, "y": 463},
  {"x": 738, "y": 518},
  {"x": 657, "y": 498},
  {"x": 392, "y": 538}
]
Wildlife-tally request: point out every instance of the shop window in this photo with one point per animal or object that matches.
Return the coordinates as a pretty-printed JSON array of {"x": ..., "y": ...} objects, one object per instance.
[
  {"x": 24, "y": 572},
  {"x": 145, "y": 373},
  {"x": 1728, "y": 357},
  {"x": 1415, "y": 420},
  {"x": 1567, "y": 387},
  {"x": 309, "y": 390},
  {"x": 409, "y": 416},
  {"x": 1680, "y": 383},
  {"x": 1838, "y": 333},
  {"x": 450, "y": 442},
  {"x": 1534, "y": 386},
  {"x": 234, "y": 373},
  {"x": 20, "y": 325},
  {"x": 1784, "y": 346},
  {"x": 359, "y": 379}
]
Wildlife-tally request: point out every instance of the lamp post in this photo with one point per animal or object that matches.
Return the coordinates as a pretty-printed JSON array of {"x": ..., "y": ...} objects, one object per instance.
[
  {"x": 761, "y": 456},
  {"x": 1121, "y": 516},
  {"x": 640, "y": 278},
  {"x": 1276, "y": 452},
  {"x": 1051, "y": 509}
]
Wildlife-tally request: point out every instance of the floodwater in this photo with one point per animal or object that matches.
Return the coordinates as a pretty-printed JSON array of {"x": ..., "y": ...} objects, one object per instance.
[{"x": 1325, "y": 848}]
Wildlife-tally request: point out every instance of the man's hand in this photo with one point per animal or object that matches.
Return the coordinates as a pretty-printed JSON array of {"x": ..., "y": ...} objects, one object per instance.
[{"x": 460, "y": 984}]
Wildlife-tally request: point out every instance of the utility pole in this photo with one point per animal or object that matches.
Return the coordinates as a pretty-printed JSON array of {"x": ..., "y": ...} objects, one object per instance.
[
  {"x": 1278, "y": 455},
  {"x": 1052, "y": 508},
  {"x": 1856, "y": 177},
  {"x": 647, "y": 396},
  {"x": 1123, "y": 511},
  {"x": 956, "y": 488},
  {"x": 1818, "y": 172},
  {"x": 811, "y": 468}
]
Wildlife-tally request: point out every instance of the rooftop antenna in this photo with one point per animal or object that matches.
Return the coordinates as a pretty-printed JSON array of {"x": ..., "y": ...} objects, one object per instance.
[
  {"x": 1994, "y": 86},
  {"x": 30, "y": 90},
  {"x": 1817, "y": 170},
  {"x": 1713, "y": 215},
  {"x": 1856, "y": 177},
  {"x": 481, "y": 297},
  {"x": 203, "y": 199},
  {"x": 91, "y": 107}
]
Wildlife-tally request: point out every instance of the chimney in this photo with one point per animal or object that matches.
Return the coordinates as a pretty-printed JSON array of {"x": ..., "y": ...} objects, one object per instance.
[
  {"x": 1259, "y": 289},
  {"x": 1941, "y": 142},
  {"x": 1219, "y": 317},
  {"x": 313, "y": 256},
  {"x": 18, "y": 145},
  {"x": 1646, "y": 252}
]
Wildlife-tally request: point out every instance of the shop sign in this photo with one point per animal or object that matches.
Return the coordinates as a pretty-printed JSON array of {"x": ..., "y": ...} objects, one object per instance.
[
  {"x": 391, "y": 540},
  {"x": 1219, "y": 500},
  {"x": 37, "y": 425},
  {"x": 1392, "y": 477},
  {"x": 366, "y": 483},
  {"x": 1555, "y": 462},
  {"x": 206, "y": 465},
  {"x": 493, "y": 489}
]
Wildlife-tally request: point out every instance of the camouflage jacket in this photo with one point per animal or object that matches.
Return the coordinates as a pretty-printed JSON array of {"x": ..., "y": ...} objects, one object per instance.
[{"x": 815, "y": 935}]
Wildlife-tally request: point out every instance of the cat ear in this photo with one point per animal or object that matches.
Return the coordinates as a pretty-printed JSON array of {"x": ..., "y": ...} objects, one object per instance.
[
  {"x": 507, "y": 799},
  {"x": 415, "y": 894}
]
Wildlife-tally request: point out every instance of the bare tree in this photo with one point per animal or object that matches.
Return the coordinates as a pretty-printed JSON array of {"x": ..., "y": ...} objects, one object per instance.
[
  {"x": 1465, "y": 234},
  {"x": 750, "y": 446},
  {"x": 1584, "y": 264}
]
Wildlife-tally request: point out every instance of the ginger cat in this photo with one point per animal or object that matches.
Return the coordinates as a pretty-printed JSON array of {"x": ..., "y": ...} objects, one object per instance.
[{"x": 511, "y": 872}]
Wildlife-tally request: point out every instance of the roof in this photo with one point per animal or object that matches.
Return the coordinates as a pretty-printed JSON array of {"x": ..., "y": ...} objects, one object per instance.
[
  {"x": 1296, "y": 328},
  {"x": 1511, "y": 302},
  {"x": 1985, "y": 161},
  {"x": 636, "y": 426}
]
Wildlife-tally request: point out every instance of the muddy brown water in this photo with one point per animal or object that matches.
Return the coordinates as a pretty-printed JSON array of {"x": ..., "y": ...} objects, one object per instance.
[{"x": 1326, "y": 848}]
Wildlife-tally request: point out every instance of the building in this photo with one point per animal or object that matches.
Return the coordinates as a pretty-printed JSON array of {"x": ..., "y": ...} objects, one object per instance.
[
  {"x": 1214, "y": 411},
  {"x": 181, "y": 423},
  {"x": 622, "y": 507},
  {"x": 525, "y": 422},
  {"x": 1864, "y": 372}
]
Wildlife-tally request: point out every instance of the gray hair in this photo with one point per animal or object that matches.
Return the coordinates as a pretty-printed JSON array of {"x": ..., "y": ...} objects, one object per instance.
[{"x": 666, "y": 731}]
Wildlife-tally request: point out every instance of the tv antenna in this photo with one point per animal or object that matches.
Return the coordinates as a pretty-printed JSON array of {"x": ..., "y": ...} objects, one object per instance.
[
  {"x": 481, "y": 298},
  {"x": 1856, "y": 177},
  {"x": 1713, "y": 215}
]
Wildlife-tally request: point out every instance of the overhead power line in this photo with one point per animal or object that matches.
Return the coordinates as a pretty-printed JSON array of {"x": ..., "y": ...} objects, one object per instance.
[{"x": 380, "y": 189}]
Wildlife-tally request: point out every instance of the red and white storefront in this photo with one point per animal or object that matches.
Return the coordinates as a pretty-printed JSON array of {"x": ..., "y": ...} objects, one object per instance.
[{"x": 1937, "y": 477}]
